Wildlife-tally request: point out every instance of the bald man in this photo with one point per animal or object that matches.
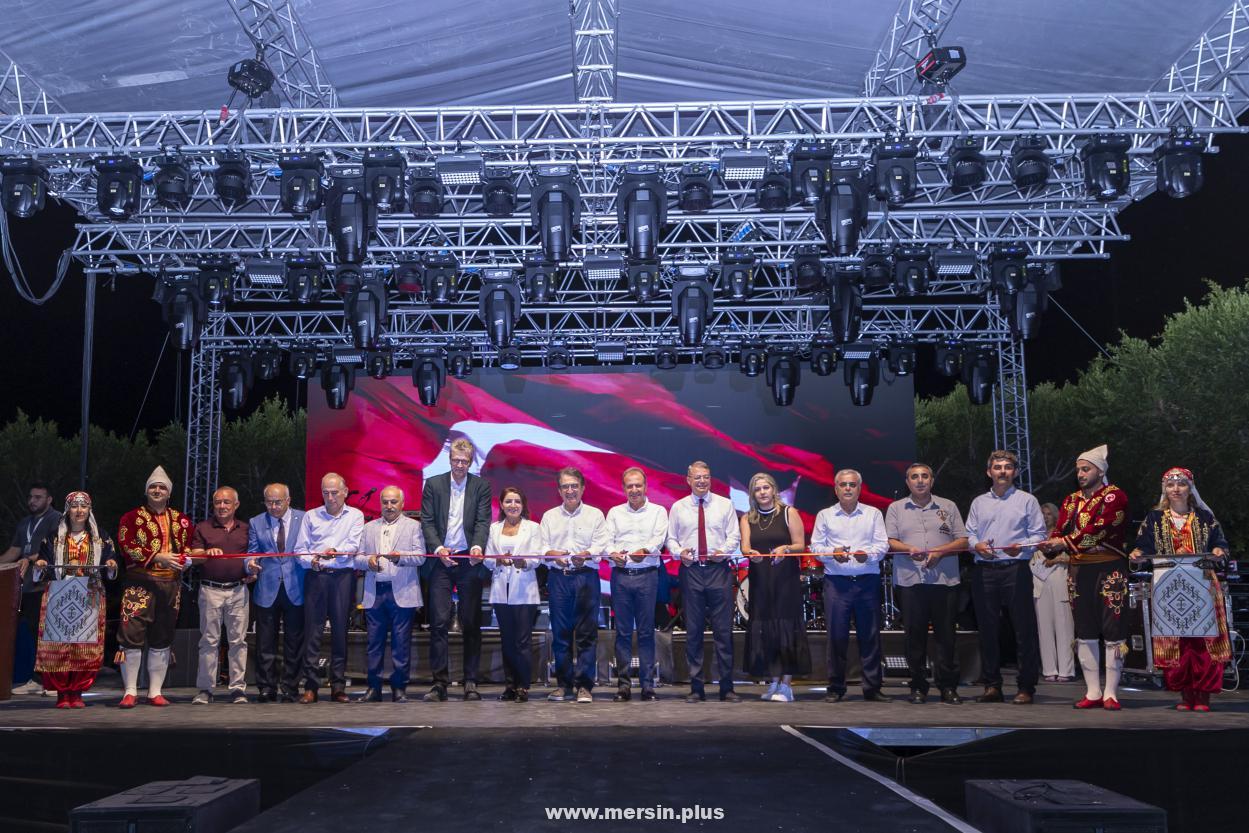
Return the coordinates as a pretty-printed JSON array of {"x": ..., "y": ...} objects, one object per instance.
[{"x": 222, "y": 596}]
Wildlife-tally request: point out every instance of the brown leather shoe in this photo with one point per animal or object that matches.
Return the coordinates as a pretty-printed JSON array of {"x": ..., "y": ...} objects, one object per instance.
[
  {"x": 309, "y": 696},
  {"x": 1023, "y": 698},
  {"x": 340, "y": 697},
  {"x": 992, "y": 694}
]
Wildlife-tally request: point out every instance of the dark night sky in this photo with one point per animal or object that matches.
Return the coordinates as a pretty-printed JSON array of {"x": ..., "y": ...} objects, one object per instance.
[{"x": 1175, "y": 246}]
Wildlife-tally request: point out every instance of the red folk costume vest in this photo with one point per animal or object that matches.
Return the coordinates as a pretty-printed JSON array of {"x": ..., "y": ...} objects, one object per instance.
[
  {"x": 143, "y": 535},
  {"x": 1094, "y": 528}
]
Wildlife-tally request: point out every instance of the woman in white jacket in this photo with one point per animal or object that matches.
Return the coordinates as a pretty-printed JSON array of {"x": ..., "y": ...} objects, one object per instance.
[
  {"x": 514, "y": 587},
  {"x": 1055, "y": 625}
]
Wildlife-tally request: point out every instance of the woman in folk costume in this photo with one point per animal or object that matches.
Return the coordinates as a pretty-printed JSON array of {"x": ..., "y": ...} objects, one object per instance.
[
  {"x": 1183, "y": 524},
  {"x": 69, "y": 668}
]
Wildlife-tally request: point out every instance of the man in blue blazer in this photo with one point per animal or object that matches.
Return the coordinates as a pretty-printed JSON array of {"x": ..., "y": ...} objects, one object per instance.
[{"x": 278, "y": 595}]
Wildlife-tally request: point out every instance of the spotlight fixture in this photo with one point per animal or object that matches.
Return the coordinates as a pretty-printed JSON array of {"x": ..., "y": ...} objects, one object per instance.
[
  {"x": 643, "y": 281},
  {"x": 743, "y": 165},
  {"x": 954, "y": 263},
  {"x": 539, "y": 281},
  {"x": 216, "y": 281},
  {"x": 823, "y": 357},
  {"x": 692, "y": 303},
  {"x": 911, "y": 270},
  {"x": 555, "y": 208},
  {"x": 1107, "y": 173},
  {"x": 410, "y": 277},
  {"x": 498, "y": 193},
  {"x": 425, "y": 196},
  {"x": 940, "y": 64},
  {"x": 429, "y": 375},
  {"x": 901, "y": 358},
  {"x": 378, "y": 363},
  {"x": 303, "y": 278},
  {"x": 695, "y": 194},
  {"x": 843, "y": 212},
  {"x": 25, "y": 186},
  {"x": 183, "y": 308},
  {"x": 303, "y": 364},
  {"x": 117, "y": 183},
  {"x": 251, "y": 76},
  {"x": 752, "y": 359},
  {"x": 784, "y": 372},
  {"x": 364, "y": 305},
  {"x": 442, "y": 272},
  {"x": 509, "y": 358},
  {"x": 1023, "y": 308},
  {"x": 235, "y": 378},
  {"x": 499, "y": 304},
  {"x": 772, "y": 193},
  {"x": 460, "y": 168},
  {"x": 810, "y": 164},
  {"x": 349, "y": 215},
  {"x": 1008, "y": 268},
  {"x": 641, "y": 209},
  {"x": 384, "y": 170},
  {"x": 268, "y": 363},
  {"x": 611, "y": 352},
  {"x": 605, "y": 268},
  {"x": 949, "y": 359},
  {"x": 861, "y": 371},
  {"x": 807, "y": 270},
  {"x": 666, "y": 356},
  {"x": 737, "y": 273},
  {"x": 1029, "y": 165},
  {"x": 893, "y": 166},
  {"x": 1180, "y": 169},
  {"x": 713, "y": 356},
  {"x": 337, "y": 380},
  {"x": 845, "y": 306},
  {"x": 979, "y": 375},
  {"x": 172, "y": 182},
  {"x": 302, "y": 193},
  {"x": 558, "y": 356},
  {"x": 965, "y": 166},
  {"x": 232, "y": 180},
  {"x": 877, "y": 267},
  {"x": 460, "y": 360}
]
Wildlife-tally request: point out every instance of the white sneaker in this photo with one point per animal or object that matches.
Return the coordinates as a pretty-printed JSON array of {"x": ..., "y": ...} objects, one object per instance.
[
  {"x": 767, "y": 695},
  {"x": 784, "y": 694},
  {"x": 30, "y": 687},
  {"x": 202, "y": 699}
]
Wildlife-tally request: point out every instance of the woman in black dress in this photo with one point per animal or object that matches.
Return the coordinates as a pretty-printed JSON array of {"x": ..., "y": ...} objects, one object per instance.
[{"x": 776, "y": 636}]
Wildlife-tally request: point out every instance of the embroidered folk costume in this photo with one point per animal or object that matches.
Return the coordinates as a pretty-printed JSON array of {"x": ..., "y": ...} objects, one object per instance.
[
  {"x": 69, "y": 664},
  {"x": 1192, "y": 666},
  {"x": 151, "y": 591}
]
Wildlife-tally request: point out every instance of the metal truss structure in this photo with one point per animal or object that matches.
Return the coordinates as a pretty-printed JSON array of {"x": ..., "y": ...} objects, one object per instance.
[
  {"x": 594, "y": 40},
  {"x": 21, "y": 95},
  {"x": 204, "y": 418},
  {"x": 1010, "y": 409},
  {"x": 916, "y": 25},
  {"x": 274, "y": 28}
]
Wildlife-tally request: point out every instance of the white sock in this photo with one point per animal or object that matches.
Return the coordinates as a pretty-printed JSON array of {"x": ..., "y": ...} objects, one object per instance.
[
  {"x": 157, "y": 665},
  {"x": 130, "y": 670},
  {"x": 1114, "y": 669},
  {"x": 1086, "y": 650}
]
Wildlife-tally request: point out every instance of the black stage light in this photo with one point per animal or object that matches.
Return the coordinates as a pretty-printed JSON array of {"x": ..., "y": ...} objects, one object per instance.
[
  {"x": 807, "y": 270},
  {"x": 1107, "y": 172},
  {"x": 784, "y": 372},
  {"x": 611, "y": 351},
  {"x": 1023, "y": 309},
  {"x": 235, "y": 378},
  {"x": 216, "y": 281},
  {"x": 954, "y": 263},
  {"x": 460, "y": 359},
  {"x": 442, "y": 273},
  {"x": 940, "y": 64},
  {"x": 901, "y": 358},
  {"x": 810, "y": 164},
  {"x": 498, "y": 193},
  {"x": 558, "y": 356},
  {"x": 744, "y": 165},
  {"x": 459, "y": 168},
  {"x": 378, "y": 363},
  {"x": 25, "y": 186},
  {"x": 302, "y": 192},
  {"x": 303, "y": 364},
  {"x": 384, "y": 170},
  {"x": 410, "y": 277},
  {"x": 251, "y": 76},
  {"x": 304, "y": 274},
  {"x": 509, "y": 358},
  {"x": 349, "y": 215},
  {"x": 555, "y": 208},
  {"x": 117, "y": 183},
  {"x": 268, "y": 362},
  {"x": 232, "y": 180},
  {"x": 429, "y": 375},
  {"x": 949, "y": 359},
  {"x": 499, "y": 304},
  {"x": 364, "y": 305},
  {"x": 843, "y": 212},
  {"x": 845, "y": 306},
  {"x": 752, "y": 359},
  {"x": 539, "y": 281},
  {"x": 1180, "y": 168},
  {"x": 337, "y": 380},
  {"x": 1008, "y": 267},
  {"x": 692, "y": 303},
  {"x": 713, "y": 355},
  {"x": 893, "y": 165},
  {"x": 604, "y": 268},
  {"x": 861, "y": 371},
  {"x": 695, "y": 193},
  {"x": 823, "y": 357},
  {"x": 1029, "y": 165},
  {"x": 666, "y": 356},
  {"x": 265, "y": 272},
  {"x": 425, "y": 197},
  {"x": 965, "y": 166},
  {"x": 877, "y": 267},
  {"x": 772, "y": 193},
  {"x": 172, "y": 182},
  {"x": 641, "y": 210},
  {"x": 737, "y": 273},
  {"x": 643, "y": 281},
  {"x": 911, "y": 272},
  {"x": 183, "y": 308},
  {"x": 979, "y": 374}
]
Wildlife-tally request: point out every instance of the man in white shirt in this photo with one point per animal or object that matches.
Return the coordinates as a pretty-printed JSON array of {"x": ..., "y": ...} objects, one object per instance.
[
  {"x": 392, "y": 546},
  {"x": 575, "y": 535},
  {"x": 328, "y": 541},
  {"x": 704, "y": 532},
  {"x": 278, "y": 595},
  {"x": 636, "y": 531},
  {"x": 854, "y": 537}
]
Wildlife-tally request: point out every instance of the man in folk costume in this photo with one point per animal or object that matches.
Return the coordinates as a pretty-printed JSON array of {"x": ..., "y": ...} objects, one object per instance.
[
  {"x": 1090, "y": 537},
  {"x": 154, "y": 539},
  {"x": 69, "y": 664}
]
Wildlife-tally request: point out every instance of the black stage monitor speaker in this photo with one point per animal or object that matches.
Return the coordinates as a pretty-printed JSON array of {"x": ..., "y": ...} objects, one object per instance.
[
  {"x": 197, "y": 805},
  {"x": 1056, "y": 806}
]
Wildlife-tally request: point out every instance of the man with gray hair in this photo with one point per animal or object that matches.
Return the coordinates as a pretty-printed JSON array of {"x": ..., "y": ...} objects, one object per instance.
[
  {"x": 222, "y": 595},
  {"x": 278, "y": 594}
]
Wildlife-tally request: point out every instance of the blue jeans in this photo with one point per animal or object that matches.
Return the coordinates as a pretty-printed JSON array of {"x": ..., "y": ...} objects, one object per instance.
[
  {"x": 633, "y": 603},
  {"x": 386, "y": 616},
  {"x": 574, "y": 601}
]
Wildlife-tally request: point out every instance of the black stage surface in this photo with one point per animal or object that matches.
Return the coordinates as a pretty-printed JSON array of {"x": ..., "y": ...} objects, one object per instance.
[{"x": 458, "y": 766}]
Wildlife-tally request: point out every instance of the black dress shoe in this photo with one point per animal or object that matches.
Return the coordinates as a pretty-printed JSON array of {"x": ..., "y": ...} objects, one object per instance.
[
  {"x": 470, "y": 693},
  {"x": 288, "y": 697},
  {"x": 992, "y": 694},
  {"x": 950, "y": 696},
  {"x": 730, "y": 697},
  {"x": 373, "y": 695},
  {"x": 919, "y": 698},
  {"x": 834, "y": 697},
  {"x": 876, "y": 697},
  {"x": 522, "y": 695},
  {"x": 623, "y": 695},
  {"x": 267, "y": 697},
  {"x": 398, "y": 695},
  {"x": 648, "y": 694},
  {"x": 437, "y": 694},
  {"x": 696, "y": 697},
  {"x": 508, "y": 695}
]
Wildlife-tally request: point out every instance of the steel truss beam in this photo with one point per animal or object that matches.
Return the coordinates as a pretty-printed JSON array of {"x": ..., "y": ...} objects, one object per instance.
[
  {"x": 273, "y": 25},
  {"x": 594, "y": 41},
  {"x": 20, "y": 95},
  {"x": 1010, "y": 408},
  {"x": 203, "y": 430},
  {"x": 914, "y": 23}
]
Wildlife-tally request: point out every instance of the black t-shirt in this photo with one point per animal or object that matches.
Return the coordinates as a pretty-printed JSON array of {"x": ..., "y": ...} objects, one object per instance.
[{"x": 28, "y": 538}]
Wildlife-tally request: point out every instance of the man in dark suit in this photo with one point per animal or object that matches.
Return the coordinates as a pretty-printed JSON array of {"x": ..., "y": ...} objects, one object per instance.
[
  {"x": 455, "y": 518},
  {"x": 278, "y": 595}
]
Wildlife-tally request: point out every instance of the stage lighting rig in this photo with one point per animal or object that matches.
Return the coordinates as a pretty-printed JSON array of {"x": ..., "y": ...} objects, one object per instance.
[
  {"x": 843, "y": 211},
  {"x": 338, "y": 377},
  {"x": 384, "y": 172},
  {"x": 695, "y": 193},
  {"x": 641, "y": 210},
  {"x": 643, "y": 280},
  {"x": 602, "y": 268},
  {"x": 752, "y": 359},
  {"x": 949, "y": 358},
  {"x": 365, "y": 305},
  {"x": 772, "y": 193},
  {"x": 666, "y": 356},
  {"x": 877, "y": 267},
  {"x": 901, "y": 358},
  {"x": 460, "y": 359},
  {"x": 911, "y": 272},
  {"x": 304, "y": 274},
  {"x": 558, "y": 356},
  {"x": 425, "y": 196},
  {"x": 251, "y": 76},
  {"x": 783, "y": 373},
  {"x": 713, "y": 355},
  {"x": 23, "y": 186},
  {"x": 1107, "y": 172},
  {"x": 965, "y": 166},
  {"x": 302, "y": 192},
  {"x": 893, "y": 171},
  {"x": 1008, "y": 268},
  {"x": 303, "y": 364},
  {"x": 499, "y": 304},
  {"x": 498, "y": 193},
  {"x": 861, "y": 371},
  {"x": 1180, "y": 168},
  {"x": 611, "y": 352},
  {"x": 979, "y": 374},
  {"x": 172, "y": 182},
  {"x": 823, "y": 357},
  {"x": 807, "y": 269},
  {"x": 1023, "y": 308},
  {"x": 216, "y": 280},
  {"x": 349, "y": 215},
  {"x": 429, "y": 375},
  {"x": 940, "y": 64},
  {"x": 232, "y": 180},
  {"x": 460, "y": 169},
  {"x": 539, "y": 281},
  {"x": 845, "y": 306},
  {"x": 442, "y": 272},
  {"x": 117, "y": 183},
  {"x": 1030, "y": 166},
  {"x": 509, "y": 358},
  {"x": 378, "y": 363},
  {"x": 954, "y": 262},
  {"x": 410, "y": 277},
  {"x": 183, "y": 308},
  {"x": 268, "y": 363},
  {"x": 737, "y": 273},
  {"x": 234, "y": 376},
  {"x": 555, "y": 208},
  {"x": 693, "y": 301},
  {"x": 744, "y": 165},
  {"x": 810, "y": 165}
]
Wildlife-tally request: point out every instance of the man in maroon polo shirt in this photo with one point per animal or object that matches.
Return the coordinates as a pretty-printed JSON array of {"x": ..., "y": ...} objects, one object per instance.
[{"x": 222, "y": 595}]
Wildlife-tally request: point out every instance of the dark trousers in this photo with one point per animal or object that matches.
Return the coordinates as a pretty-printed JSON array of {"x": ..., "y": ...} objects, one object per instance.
[
  {"x": 291, "y": 618},
  {"x": 860, "y": 596},
  {"x": 384, "y": 618},
  {"x": 707, "y": 592},
  {"x": 574, "y": 599},
  {"x": 633, "y": 607},
  {"x": 921, "y": 604},
  {"x": 467, "y": 579},
  {"x": 327, "y": 593},
  {"x": 1006, "y": 584},
  {"x": 516, "y": 638}
]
